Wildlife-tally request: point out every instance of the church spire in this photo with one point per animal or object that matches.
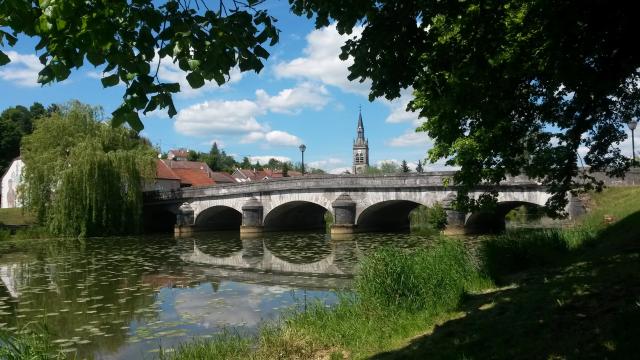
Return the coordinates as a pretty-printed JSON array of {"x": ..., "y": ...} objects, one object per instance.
[
  {"x": 360, "y": 149},
  {"x": 360, "y": 126}
]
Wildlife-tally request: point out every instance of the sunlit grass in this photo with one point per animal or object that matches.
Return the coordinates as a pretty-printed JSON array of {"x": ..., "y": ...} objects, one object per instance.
[{"x": 32, "y": 342}]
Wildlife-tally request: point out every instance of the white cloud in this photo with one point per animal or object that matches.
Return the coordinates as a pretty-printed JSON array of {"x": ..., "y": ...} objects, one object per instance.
[
  {"x": 252, "y": 137},
  {"x": 212, "y": 118},
  {"x": 291, "y": 101},
  {"x": 322, "y": 62},
  {"x": 398, "y": 107},
  {"x": 340, "y": 170},
  {"x": 22, "y": 70},
  {"x": 275, "y": 137},
  {"x": 326, "y": 163},
  {"x": 410, "y": 139},
  {"x": 278, "y": 137},
  {"x": 215, "y": 118},
  {"x": 265, "y": 158}
]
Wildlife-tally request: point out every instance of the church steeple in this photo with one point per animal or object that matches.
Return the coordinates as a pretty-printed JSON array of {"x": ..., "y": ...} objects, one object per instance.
[
  {"x": 360, "y": 126},
  {"x": 360, "y": 148}
]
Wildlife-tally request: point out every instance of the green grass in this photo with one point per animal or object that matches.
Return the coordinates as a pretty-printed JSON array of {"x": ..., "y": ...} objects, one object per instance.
[
  {"x": 222, "y": 347},
  {"x": 433, "y": 278},
  {"x": 15, "y": 216},
  {"x": 32, "y": 343}
]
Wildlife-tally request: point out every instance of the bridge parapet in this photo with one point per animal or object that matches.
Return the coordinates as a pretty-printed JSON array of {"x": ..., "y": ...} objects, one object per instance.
[{"x": 440, "y": 180}]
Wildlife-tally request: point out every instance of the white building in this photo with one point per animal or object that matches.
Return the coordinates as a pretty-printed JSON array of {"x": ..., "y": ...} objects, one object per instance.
[{"x": 10, "y": 181}]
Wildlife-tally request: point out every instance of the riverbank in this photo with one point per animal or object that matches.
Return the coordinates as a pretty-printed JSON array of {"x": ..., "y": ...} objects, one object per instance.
[
  {"x": 559, "y": 293},
  {"x": 516, "y": 289}
]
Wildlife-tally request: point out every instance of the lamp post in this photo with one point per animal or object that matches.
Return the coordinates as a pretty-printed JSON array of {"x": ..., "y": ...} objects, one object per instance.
[
  {"x": 302, "y": 149},
  {"x": 632, "y": 126}
]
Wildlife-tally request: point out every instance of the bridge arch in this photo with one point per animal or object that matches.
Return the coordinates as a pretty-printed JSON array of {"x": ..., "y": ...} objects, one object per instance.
[
  {"x": 483, "y": 222},
  {"x": 296, "y": 215},
  {"x": 390, "y": 215},
  {"x": 218, "y": 217}
]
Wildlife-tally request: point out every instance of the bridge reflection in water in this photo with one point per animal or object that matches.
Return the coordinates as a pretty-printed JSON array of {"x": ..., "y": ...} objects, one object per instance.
[{"x": 312, "y": 262}]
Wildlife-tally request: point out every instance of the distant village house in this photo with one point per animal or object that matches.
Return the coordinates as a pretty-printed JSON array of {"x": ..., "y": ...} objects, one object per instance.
[{"x": 9, "y": 197}]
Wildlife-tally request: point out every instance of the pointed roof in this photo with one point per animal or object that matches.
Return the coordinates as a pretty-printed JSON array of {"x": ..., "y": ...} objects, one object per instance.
[{"x": 360, "y": 126}]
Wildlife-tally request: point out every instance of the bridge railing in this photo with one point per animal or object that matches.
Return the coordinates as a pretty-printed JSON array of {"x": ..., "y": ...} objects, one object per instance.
[
  {"x": 434, "y": 180},
  {"x": 425, "y": 180}
]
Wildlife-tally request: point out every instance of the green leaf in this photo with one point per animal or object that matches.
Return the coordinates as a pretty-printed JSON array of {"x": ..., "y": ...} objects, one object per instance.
[
  {"x": 111, "y": 80},
  {"x": 195, "y": 79},
  {"x": 261, "y": 52},
  {"x": 194, "y": 64},
  {"x": 133, "y": 119},
  {"x": 61, "y": 24},
  {"x": 4, "y": 59},
  {"x": 219, "y": 78},
  {"x": 171, "y": 87}
]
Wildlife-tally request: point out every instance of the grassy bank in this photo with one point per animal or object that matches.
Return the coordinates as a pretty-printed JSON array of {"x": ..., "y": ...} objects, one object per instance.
[
  {"x": 434, "y": 303},
  {"x": 570, "y": 293},
  {"x": 15, "y": 217},
  {"x": 398, "y": 294}
]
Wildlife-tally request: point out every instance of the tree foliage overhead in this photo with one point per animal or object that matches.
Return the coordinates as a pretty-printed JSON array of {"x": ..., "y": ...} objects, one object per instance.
[
  {"x": 504, "y": 87},
  {"x": 85, "y": 177},
  {"x": 206, "y": 39}
]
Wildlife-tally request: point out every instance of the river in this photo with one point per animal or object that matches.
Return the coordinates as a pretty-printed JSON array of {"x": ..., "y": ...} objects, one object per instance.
[{"x": 125, "y": 297}]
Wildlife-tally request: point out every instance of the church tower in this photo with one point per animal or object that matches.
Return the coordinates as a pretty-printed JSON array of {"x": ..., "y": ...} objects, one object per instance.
[{"x": 360, "y": 149}]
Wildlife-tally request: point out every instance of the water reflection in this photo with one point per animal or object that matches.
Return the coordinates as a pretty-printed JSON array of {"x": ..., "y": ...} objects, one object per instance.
[{"x": 123, "y": 297}]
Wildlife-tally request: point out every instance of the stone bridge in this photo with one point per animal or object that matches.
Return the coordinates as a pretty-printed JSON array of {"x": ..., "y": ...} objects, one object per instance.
[{"x": 356, "y": 202}]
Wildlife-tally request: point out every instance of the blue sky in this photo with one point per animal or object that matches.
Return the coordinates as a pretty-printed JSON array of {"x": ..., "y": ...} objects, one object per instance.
[{"x": 301, "y": 96}]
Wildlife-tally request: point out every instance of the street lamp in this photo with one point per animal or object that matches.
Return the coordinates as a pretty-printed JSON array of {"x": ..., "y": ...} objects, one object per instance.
[
  {"x": 302, "y": 149},
  {"x": 632, "y": 126}
]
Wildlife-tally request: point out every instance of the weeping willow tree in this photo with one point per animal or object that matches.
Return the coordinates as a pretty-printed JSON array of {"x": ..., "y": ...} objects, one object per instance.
[{"x": 84, "y": 177}]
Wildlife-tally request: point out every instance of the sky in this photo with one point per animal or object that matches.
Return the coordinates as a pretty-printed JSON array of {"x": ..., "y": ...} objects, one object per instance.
[{"x": 301, "y": 96}]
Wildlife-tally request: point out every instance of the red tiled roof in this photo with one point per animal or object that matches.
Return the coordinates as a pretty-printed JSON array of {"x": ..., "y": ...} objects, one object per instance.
[
  {"x": 222, "y": 177},
  {"x": 164, "y": 172},
  {"x": 179, "y": 152},
  {"x": 193, "y": 177},
  {"x": 187, "y": 165}
]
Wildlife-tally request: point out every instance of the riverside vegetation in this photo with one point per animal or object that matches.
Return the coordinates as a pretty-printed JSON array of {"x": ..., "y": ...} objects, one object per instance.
[
  {"x": 554, "y": 293},
  {"x": 535, "y": 294}
]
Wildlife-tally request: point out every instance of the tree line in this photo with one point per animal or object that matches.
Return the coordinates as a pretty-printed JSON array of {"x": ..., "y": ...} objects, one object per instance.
[
  {"x": 15, "y": 123},
  {"x": 218, "y": 160}
]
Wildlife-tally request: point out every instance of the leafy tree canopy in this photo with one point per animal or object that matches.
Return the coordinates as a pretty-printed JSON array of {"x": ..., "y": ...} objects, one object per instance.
[
  {"x": 206, "y": 39},
  {"x": 16, "y": 122},
  {"x": 503, "y": 87},
  {"x": 85, "y": 177}
]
